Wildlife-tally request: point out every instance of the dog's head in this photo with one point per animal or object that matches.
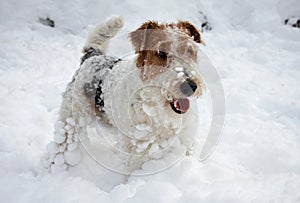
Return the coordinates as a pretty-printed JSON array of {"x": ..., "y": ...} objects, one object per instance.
[{"x": 167, "y": 53}]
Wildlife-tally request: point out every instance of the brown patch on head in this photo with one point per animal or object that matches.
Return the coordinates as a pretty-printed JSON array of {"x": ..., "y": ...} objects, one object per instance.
[
  {"x": 140, "y": 36},
  {"x": 154, "y": 43},
  {"x": 149, "y": 43}
]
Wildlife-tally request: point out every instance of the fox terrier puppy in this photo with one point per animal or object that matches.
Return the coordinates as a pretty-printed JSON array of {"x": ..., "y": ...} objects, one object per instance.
[{"x": 145, "y": 99}]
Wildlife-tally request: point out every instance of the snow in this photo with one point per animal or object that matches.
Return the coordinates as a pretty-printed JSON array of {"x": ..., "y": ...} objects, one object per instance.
[{"x": 257, "y": 158}]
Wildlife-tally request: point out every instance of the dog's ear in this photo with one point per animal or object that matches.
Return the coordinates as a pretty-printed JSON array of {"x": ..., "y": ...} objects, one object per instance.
[
  {"x": 139, "y": 39},
  {"x": 139, "y": 36},
  {"x": 191, "y": 30}
]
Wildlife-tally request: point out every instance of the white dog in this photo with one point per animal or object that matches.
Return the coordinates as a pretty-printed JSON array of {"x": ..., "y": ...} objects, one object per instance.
[{"x": 142, "y": 105}]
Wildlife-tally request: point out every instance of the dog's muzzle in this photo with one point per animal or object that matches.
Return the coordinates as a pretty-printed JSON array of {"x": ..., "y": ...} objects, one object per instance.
[
  {"x": 182, "y": 105},
  {"x": 188, "y": 87}
]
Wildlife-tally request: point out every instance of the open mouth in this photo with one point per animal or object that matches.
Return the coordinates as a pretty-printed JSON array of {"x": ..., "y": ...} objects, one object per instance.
[{"x": 180, "y": 106}]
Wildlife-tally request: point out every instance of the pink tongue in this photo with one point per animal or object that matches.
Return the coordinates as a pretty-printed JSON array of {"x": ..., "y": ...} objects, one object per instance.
[{"x": 182, "y": 104}]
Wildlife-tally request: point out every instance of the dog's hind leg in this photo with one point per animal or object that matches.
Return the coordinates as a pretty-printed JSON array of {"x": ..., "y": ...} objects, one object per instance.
[
  {"x": 101, "y": 35},
  {"x": 76, "y": 112}
]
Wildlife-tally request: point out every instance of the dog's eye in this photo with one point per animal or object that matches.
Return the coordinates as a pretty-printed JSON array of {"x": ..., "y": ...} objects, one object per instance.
[{"x": 162, "y": 54}]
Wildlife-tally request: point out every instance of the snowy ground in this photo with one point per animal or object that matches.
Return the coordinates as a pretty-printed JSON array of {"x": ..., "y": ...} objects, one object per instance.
[{"x": 258, "y": 157}]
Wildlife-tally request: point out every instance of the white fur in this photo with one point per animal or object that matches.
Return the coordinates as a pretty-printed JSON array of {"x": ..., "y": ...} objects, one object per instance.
[{"x": 136, "y": 112}]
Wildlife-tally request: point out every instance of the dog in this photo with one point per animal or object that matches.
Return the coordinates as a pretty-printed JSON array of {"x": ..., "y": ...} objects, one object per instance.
[{"x": 144, "y": 99}]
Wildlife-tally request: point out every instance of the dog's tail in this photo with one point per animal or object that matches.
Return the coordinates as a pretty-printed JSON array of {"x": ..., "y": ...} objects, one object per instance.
[{"x": 100, "y": 37}]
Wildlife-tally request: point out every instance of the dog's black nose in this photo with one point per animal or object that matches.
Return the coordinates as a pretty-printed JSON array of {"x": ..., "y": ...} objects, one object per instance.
[{"x": 188, "y": 87}]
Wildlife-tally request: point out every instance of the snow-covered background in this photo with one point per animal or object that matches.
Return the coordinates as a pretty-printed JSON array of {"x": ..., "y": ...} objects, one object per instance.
[{"x": 258, "y": 157}]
